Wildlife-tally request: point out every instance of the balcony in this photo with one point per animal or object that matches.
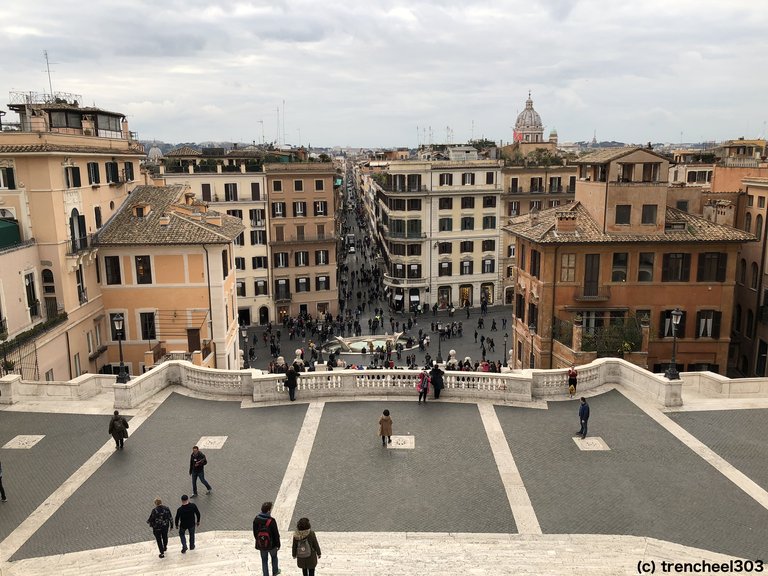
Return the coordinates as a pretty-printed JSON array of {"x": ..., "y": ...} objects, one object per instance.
[
  {"x": 82, "y": 244},
  {"x": 282, "y": 297},
  {"x": 299, "y": 238},
  {"x": 407, "y": 235},
  {"x": 592, "y": 293},
  {"x": 82, "y": 295},
  {"x": 258, "y": 224},
  {"x": 393, "y": 282},
  {"x": 555, "y": 189}
]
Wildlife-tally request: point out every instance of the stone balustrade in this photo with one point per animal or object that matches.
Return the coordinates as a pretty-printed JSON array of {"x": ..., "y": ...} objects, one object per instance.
[{"x": 14, "y": 389}]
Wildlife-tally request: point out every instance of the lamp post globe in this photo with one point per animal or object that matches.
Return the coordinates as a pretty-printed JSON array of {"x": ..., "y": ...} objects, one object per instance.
[
  {"x": 672, "y": 373},
  {"x": 119, "y": 324},
  {"x": 439, "y": 342},
  {"x": 506, "y": 362}
]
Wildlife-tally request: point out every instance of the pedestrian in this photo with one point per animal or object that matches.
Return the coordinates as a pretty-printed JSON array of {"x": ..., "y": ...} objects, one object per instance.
[
  {"x": 385, "y": 428},
  {"x": 306, "y": 549},
  {"x": 475, "y": 336},
  {"x": 583, "y": 418},
  {"x": 2, "y": 489},
  {"x": 118, "y": 429},
  {"x": 423, "y": 385},
  {"x": 197, "y": 463},
  {"x": 187, "y": 519},
  {"x": 160, "y": 520},
  {"x": 572, "y": 375},
  {"x": 436, "y": 379},
  {"x": 291, "y": 381},
  {"x": 267, "y": 537}
]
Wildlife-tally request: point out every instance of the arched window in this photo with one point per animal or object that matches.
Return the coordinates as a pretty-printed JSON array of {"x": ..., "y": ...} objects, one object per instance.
[
  {"x": 750, "y": 323},
  {"x": 737, "y": 318},
  {"x": 47, "y": 276},
  {"x": 748, "y": 222},
  {"x": 743, "y": 271},
  {"x": 759, "y": 225},
  {"x": 753, "y": 279}
]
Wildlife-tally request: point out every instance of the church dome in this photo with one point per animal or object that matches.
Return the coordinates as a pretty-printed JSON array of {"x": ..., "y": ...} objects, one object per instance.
[
  {"x": 154, "y": 155},
  {"x": 528, "y": 119}
]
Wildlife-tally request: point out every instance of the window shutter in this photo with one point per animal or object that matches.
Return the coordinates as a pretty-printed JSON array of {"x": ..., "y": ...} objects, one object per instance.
[
  {"x": 722, "y": 264},
  {"x": 662, "y": 323},
  {"x": 681, "y": 326},
  {"x": 234, "y": 193},
  {"x": 76, "y": 177},
  {"x": 700, "y": 270},
  {"x": 9, "y": 181},
  {"x": 206, "y": 189},
  {"x": 665, "y": 268},
  {"x": 697, "y": 331},
  {"x": 255, "y": 191},
  {"x": 686, "y": 272},
  {"x": 716, "y": 325}
]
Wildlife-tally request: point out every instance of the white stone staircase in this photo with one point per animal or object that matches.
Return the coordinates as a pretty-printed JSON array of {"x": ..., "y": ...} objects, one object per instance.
[{"x": 374, "y": 553}]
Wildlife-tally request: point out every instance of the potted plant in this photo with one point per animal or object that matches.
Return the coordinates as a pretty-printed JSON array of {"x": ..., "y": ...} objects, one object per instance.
[{"x": 8, "y": 366}]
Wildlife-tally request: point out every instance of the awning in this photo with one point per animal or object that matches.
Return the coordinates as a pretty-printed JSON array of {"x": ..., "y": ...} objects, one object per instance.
[
  {"x": 414, "y": 297},
  {"x": 398, "y": 296}
]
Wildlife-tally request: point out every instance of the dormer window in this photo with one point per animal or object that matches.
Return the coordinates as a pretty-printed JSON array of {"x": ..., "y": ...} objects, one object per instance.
[{"x": 141, "y": 210}]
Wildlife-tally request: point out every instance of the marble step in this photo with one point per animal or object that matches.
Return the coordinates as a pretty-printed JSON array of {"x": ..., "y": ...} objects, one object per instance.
[{"x": 390, "y": 554}]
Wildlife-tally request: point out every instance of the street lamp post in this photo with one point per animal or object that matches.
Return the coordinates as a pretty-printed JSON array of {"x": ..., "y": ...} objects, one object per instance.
[
  {"x": 672, "y": 373},
  {"x": 506, "y": 363},
  {"x": 439, "y": 342},
  {"x": 244, "y": 334},
  {"x": 532, "y": 332},
  {"x": 119, "y": 322}
]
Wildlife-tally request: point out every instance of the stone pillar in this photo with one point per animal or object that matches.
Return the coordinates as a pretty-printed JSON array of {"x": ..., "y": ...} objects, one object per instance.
[
  {"x": 149, "y": 359},
  {"x": 577, "y": 330},
  {"x": 645, "y": 329},
  {"x": 197, "y": 358}
]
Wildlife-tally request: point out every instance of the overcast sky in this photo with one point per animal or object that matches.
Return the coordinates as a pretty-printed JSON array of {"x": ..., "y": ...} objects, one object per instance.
[{"x": 363, "y": 73}]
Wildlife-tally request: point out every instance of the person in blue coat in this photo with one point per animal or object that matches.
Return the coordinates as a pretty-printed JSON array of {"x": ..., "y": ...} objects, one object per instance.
[{"x": 583, "y": 418}]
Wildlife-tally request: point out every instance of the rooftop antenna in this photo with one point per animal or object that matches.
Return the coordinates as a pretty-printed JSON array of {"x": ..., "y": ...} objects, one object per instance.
[
  {"x": 262, "y": 130},
  {"x": 472, "y": 137},
  {"x": 277, "y": 138},
  {"x": 48, "y": 69},
  {"x": 284, "y": 142}
]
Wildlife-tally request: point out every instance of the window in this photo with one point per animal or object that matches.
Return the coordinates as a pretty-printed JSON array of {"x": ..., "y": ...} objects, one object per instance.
[
  {"x": 534, "y": 205},
  {"x": 278, "y": 209},
  {"x": 514, "y": 187},
  {"x": 666, "y": 325},
  {"x": 72, "y": 177},
  {"x": 258, "y": 237},
  {"x": 708, "y": 324},
  {"x": 397, "y": 204},
  {"x": 750, "y": 324},
  {"x": 537, "y": 184},
  {"x": 535, "y": 263},
  {"x": 619, "y": 267},
  {"x": 302, "y": 258},
  {"x": 143, "y": 270},
  {"x": 754, "y": 276},
  {"x": 467, "y": 223},
  {"x": 750, "y": 200},
  {"x": 259, "y": 262},
  {"x": 748, "y": 222},
  {"x": 743, "y": 271},
  {"x": 737, "y": 319},
  {"x": 147, "y": 321},
  {"x": 489, "y": 222},
  {"x": 239, "y": 263},
  {"x": 225, "y": 264},
  {"x": 489, "y": 266},
  {"x": 489, "y": 245},
  {"x": 230, "y": 192},
  {"x": 279, "y": 233},
  {"x": 445, "y": 224},
  {"x": 513, "y": 208},
  {"x": 568, "y": 267},
  {"x": 645, "y": 267},
  {"x": 467, "y": 202},
  {"x": 322, "y": 283},
  {"x": 623, "y": 213},
  {"x": 712, "y": 267},
  {"x": 302, "y": 284},
  {"x": 112, "y": 268},
  {"x": 445, "y": 203},
  {"x": 240, "y": 288},
  {"x": 511, "y": 251},
  {"x": 78, "y": 369},
  {"x": 206, "y": 192},
  {"x": 319, "y": 185},
  {"x": 281, "y": 259},
  {"x": 299, "y": 209},
  {"x": 113, "y": 172},
  {"x": 414, "y": 204},
  {"x": 466, "y": 246},
  {"x": 321, "y": 208},
  {"x": 260, "y": 288},
  {"x": 490, "y": 178},
  {"x": 282, "y": 289},
  {"x": 682, "y": 205},
  {"x": 93, "y": 173},
  {"x": 444, "y": 248},
  {"x": 520, "y": 307},
  {"x": 414, "y": 228},
  {"x": 533, "y": 314},
  {"x": 236, "y": 213},
  {"x": 521, "y": 263},
  {"x": 761, "y": 201},
  {"x": 676, "y": 267},
  {"x": 128, "y": 171},
  {"x": 6, "y": 179},
  {"x": 277, "y": 186},
  {"x": 759, "y": 225},
  {"x": 97, "y": 216},
  {"x": 446, "y": 179},
  {"x": 489, "y": 201},
  {"x": 466, "y": 267},
  {"x": 321, "y": 257},
  {"x": 649, "y": 213},
  {"x": 298, "y": 185},
  {"x": 414, "y": 271},
  {"x": 445, "y": 269},
  {"x": 255, "y": 191},
  {"x": 468, "y": 179},
  {"x": 413, "y": 250}
]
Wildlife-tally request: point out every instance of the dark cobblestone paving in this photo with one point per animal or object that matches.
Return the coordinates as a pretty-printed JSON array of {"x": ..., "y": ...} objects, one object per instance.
[
  {"x": 739, "y": 436},
  {"x": 112, "y": 507},
  {"x": 449, "y": 483},
  {"x": 30, "y": 476},
  {"x": 648, "y": 484}
]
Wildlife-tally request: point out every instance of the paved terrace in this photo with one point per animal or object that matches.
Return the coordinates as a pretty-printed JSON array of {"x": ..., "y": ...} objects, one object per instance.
[{"x": 486, "y": 480}]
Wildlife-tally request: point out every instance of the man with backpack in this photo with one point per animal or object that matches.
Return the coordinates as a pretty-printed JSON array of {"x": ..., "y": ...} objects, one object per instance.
[
  {"x": 160, "y": 520},
  {"x": 267, "y": 538},
  {"x": 118, "y": 429}
]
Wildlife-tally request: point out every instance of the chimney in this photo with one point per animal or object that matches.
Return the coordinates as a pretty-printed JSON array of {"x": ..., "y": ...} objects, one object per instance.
[
  {"x": 213, "y": 218},
  {"x": 165, "y": 220},
  {"x": 533, "y": 216},
  {"x": 189, "y": 198},
  {"x": 565, "y": 221}
]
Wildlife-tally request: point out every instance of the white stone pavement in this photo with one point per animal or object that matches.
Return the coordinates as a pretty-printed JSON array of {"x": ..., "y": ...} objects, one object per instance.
[{"x": 231, "y": 553}]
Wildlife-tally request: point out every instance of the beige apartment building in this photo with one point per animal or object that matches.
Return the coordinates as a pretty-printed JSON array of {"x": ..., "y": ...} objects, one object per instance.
[
  {"x": 437, "y": 225},
  {"x": 302, "y": 235},
  {"x": 168, "y": 270},
  {"x": 65, "y": 169}
]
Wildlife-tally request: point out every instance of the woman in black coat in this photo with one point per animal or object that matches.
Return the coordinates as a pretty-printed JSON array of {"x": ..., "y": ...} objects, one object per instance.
[
  {"x": 291, "y": 381},
  {"x": 436, "y": 376}
]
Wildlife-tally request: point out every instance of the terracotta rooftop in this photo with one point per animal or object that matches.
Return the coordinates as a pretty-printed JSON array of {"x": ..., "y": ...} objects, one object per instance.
[
  {"x": 124, "y": 228},
  {"x": 542, "y": 229},
  {"x": 184, "y": 151},
  {"x": 610, "y": 154},
  {"x": 133, "y": 148}
]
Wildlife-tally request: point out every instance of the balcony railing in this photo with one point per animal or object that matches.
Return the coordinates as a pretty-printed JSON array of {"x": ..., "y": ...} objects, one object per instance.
[
  {"x": 390, "y": 280},
  {"x": 592, "y": 294},
  {"x": 34, "y": 309},
  {"x": 555, "y": 189},
  {"x": 282, "y": 297},
  {"x": 82, "y": 295},
  {"x": 81, "y": 244},
  {"x": 297, "y": 238},
  {"x": 412, "y": 235}
]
